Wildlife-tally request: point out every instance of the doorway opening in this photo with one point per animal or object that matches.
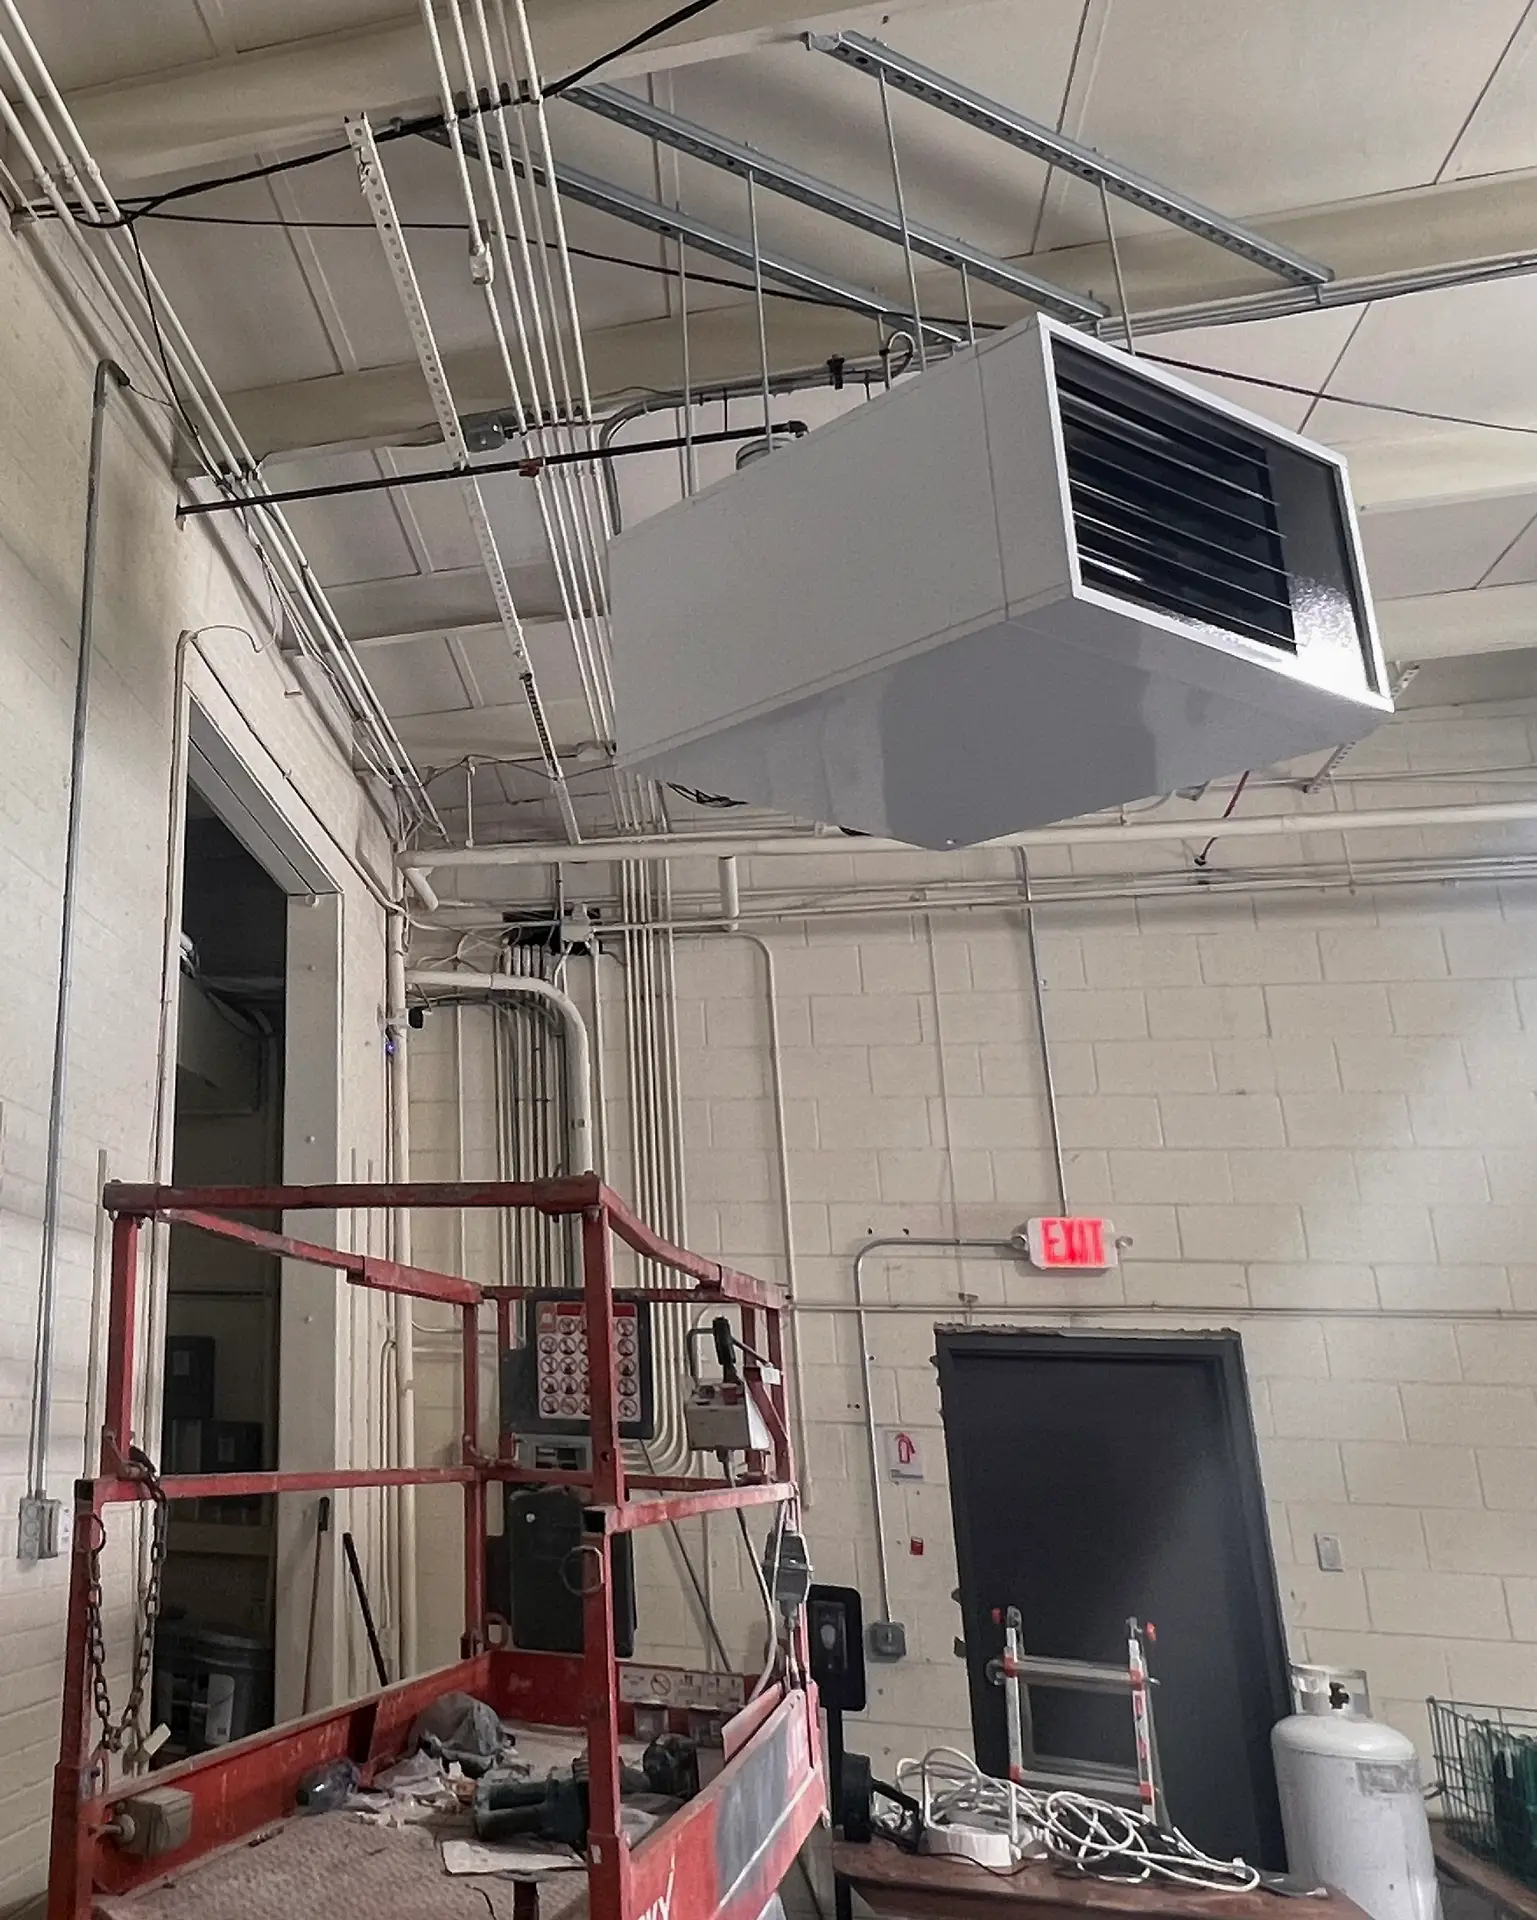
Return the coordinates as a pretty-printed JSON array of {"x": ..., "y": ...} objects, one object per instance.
[
  {"x": 1127, "y": 1472},
  {"x": 219, "y": 1413}
]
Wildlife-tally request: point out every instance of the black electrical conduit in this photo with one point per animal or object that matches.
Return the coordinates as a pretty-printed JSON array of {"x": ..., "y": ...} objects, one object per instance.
[{"x": 528, "y": 465}]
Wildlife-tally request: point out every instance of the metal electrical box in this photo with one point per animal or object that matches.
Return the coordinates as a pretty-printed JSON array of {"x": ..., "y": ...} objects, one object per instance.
[{"x": 1042, "y": 578}]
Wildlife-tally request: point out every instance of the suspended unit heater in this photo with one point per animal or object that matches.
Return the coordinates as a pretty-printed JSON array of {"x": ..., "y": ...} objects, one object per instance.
[{"x": 1042, "y": 579}]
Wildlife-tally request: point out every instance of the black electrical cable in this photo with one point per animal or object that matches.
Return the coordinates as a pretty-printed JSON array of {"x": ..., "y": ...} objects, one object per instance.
[
  {"x": 1337, "y": 399},
  {"x": 1227, "y": 813},
  {"x": 160, "y": 348},
  {"x": 674, "y": 19},
  {"x": 703, "y": 799},
  {"x": 142, "y": 208},
  {"x": 653, "y": 267}
]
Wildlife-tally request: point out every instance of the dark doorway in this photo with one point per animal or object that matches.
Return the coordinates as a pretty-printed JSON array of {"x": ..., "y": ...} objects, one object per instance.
[
  {"x": 214, "y": 1648},
  {"x": 1093, "y": 1477}
]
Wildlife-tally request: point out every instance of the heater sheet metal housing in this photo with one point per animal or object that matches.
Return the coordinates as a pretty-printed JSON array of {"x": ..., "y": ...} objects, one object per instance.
[{"x": 1041, "y": 579}]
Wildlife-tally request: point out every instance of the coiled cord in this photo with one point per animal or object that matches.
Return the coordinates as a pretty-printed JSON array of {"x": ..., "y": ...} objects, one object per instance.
[{"x": 1094, "y": 1836}]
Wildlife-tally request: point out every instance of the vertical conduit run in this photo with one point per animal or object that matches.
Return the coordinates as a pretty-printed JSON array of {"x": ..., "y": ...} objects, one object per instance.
[
  {"x": 109, "y": 375},
  {"x": 786, "y": 1200},
  {"x": 403, "y": 1330},
  {"x": 656, "y": 1160},
  {"x": 1048, "y": 1073}
]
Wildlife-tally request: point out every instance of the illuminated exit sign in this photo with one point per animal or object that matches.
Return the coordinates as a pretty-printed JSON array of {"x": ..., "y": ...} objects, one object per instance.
[{"x": 1076, "y": 1241}]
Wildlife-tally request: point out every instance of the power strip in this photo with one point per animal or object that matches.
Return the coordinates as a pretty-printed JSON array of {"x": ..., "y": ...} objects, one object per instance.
[{"x": 985, "y": 1846}]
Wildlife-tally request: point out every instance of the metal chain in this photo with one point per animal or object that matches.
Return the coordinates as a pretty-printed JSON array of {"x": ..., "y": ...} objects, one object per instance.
[{"x": 115, "y": 1733}]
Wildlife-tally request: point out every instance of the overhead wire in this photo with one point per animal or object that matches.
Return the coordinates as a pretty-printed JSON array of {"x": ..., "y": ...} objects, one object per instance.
[
  {"x": 1340, "y": 399},
  {"x": 647, "y": 34},
  {"x": 1226, "y": 814}
]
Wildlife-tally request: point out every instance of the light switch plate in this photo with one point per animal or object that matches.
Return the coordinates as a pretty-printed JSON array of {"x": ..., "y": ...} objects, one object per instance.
[
  {"x": 886, "y": 1640},
  {"x": 1331, "y": 1556}
]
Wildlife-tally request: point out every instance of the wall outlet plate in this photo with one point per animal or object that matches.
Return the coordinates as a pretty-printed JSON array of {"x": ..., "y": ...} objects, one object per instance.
[
  {"x": 886, "y": 1640},
  {"x": 38, "y": 1529},
  {"x": 1331, "y": 1555}
]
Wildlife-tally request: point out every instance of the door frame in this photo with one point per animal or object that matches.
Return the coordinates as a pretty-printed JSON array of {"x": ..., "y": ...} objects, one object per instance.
[
  {"x": 313, "y": 1318},
  {"x": 1220, "y": 1352}
]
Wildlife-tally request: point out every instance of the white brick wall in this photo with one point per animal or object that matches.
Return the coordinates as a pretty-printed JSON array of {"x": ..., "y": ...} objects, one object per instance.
[
  {"x": 155, "y": 581},
  {"x": 1315, "y": 1115}
]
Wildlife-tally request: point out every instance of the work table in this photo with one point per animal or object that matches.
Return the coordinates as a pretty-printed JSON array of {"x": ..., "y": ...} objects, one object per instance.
[{"x": 918, "y": 1887}]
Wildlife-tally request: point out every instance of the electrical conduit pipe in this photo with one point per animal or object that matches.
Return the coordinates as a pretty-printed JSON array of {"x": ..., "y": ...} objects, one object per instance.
[
  {"x": 400, "y": 1303},
  {"x": 538, "y": 853},
  {"x": 109, "y": 375},
  {"x": 456, "y": 982}
]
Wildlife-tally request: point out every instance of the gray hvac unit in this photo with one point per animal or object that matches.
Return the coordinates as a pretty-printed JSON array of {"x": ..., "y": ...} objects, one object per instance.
[{"x": 1041, "y": 579}]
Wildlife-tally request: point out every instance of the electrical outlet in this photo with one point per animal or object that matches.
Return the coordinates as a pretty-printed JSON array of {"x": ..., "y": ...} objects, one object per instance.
[
  {"x": 1331, "y": 1555},
  {"x": 886, "y": 1640},
  {"x": 37, "y": 1534}
]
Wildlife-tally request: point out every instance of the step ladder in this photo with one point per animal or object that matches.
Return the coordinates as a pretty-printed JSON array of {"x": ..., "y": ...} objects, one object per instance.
[{"x": 1017, "y": 1672}]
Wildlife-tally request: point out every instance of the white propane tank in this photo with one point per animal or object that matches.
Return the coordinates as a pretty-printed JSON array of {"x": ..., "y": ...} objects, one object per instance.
[{"x": 1351, "y": 1802}]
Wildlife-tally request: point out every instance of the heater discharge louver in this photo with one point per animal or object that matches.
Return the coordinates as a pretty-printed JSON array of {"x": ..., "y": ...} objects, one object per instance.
[
  {"x": 1169, "y": 508},
  {"x": 1041, "y": 579}
]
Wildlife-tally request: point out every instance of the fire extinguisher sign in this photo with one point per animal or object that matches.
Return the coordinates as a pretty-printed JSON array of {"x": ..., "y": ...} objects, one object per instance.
[{"x": 904, "y": 1454}]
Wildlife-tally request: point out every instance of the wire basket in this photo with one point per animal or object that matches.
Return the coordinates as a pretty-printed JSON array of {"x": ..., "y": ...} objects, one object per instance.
[{"x": 1486, "y": 1768}]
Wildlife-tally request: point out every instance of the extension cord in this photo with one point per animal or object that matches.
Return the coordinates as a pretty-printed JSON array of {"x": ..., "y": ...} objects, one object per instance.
[{"x": 983, "y": 1845}]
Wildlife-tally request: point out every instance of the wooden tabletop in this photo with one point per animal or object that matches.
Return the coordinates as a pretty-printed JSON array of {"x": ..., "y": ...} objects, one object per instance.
[
  {"x": 1506, "y": 1892},
  {"x": 922, "y": 1888}
]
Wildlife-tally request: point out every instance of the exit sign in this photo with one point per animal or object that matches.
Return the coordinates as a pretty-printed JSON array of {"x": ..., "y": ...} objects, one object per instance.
[{"x": 1075, "y": 1241}]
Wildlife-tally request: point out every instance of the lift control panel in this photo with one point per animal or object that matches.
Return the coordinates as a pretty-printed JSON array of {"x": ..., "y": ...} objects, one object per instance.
[{"x": 545, "y": 1380}]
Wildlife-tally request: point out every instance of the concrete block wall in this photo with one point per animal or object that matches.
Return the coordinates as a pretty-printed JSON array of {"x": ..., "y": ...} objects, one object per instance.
[
  {"x": 1314, "y": 1115},
  {"x": 155, "y": 583}
]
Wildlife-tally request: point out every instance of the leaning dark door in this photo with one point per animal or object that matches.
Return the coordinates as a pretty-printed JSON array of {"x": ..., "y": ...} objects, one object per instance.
[{"x": 1097, "y": 1476}]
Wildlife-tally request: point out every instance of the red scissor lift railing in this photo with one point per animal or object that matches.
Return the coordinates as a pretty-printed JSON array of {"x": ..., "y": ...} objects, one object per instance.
[{"x": 726, "y": 1851}]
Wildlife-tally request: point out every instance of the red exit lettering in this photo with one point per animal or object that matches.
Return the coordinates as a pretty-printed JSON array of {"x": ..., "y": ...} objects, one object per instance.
[{"x": 1074, "y": 1241}]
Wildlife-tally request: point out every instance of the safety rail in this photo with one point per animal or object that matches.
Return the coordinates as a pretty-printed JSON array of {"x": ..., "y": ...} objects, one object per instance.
[{"x": 238, "y": 1788}]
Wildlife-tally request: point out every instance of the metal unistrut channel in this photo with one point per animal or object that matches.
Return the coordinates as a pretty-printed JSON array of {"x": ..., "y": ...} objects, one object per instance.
[
  {"x": 778, "y": 176},
  {"x": 674, "y": 224},
  {"x": 381, "y": 205},
  {"x": 1004, "y": 123}
]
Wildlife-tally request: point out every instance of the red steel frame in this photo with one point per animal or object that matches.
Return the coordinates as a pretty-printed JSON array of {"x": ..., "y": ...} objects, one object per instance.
[{"x": 728, "y": 1849}]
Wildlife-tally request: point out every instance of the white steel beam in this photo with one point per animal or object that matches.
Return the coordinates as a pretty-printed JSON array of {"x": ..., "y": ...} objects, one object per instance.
[
  {"x": 1452, "y": 626},
  {"x": 1441, "y": 466},
  {"x": 214, "y": 111},
  {"x": 1173, "y": 280}
]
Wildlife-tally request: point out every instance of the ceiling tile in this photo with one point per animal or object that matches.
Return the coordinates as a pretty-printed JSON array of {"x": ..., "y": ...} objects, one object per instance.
[
  {"x": 420, "y": 678},
  {"x": 1298, "y": 350},
  {"x": 1502, "y": 135},
  {"x": 1454, "y": 351},
  {"x": 264, "y": 23},
  {"x": 87, "y": 43},
  {"x": 1305, "y": 102},
  {"x": 355, "y": 537},
  {"x": 1520, "y": 563}
]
